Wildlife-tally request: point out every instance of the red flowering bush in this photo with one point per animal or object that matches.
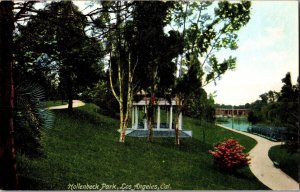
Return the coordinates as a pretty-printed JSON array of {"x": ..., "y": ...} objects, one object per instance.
[{"x": 229, "y": 155}]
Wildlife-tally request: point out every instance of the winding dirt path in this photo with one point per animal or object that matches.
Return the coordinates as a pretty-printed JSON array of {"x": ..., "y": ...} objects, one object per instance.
[
  {"x": 76, "y": 103},
  {"x": 262, "y": 166}
]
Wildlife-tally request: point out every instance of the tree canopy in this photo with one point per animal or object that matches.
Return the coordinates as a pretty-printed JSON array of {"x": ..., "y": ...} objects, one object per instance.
[
  {"x": 280, "y": 109},
  {"x": 57, "y": 50}
]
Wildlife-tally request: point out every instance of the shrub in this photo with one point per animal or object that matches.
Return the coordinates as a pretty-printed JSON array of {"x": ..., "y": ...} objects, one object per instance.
[
  {"x": 229, "y": 155},
  {"x": 31, "y": 118}
]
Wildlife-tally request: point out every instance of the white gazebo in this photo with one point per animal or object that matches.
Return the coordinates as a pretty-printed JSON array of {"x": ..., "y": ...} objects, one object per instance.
[{"x": 140, "y": 124}]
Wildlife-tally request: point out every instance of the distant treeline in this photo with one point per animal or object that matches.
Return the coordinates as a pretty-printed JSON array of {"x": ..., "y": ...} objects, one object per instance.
[{"x": 246, "y": 106}]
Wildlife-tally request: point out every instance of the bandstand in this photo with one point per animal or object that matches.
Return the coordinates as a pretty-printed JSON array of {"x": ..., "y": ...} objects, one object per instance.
[{"x": 164, "y": 122}]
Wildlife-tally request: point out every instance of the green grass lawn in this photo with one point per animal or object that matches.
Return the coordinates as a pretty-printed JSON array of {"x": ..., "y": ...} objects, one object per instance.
[
  {"x": 55, "y": 103},
  {"x": 288, "y": 162},
  {"x": 83, "y": 148}
]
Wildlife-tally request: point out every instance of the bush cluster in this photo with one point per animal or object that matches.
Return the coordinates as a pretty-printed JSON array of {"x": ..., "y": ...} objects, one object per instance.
[{"x": 229, "y": 155}]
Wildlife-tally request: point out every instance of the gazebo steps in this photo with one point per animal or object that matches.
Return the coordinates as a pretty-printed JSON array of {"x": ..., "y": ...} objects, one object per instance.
[{"x": 158, "y": 133}]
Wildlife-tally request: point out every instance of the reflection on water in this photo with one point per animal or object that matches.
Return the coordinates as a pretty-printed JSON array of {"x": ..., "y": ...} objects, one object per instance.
[{"x": 240, "y": 124}]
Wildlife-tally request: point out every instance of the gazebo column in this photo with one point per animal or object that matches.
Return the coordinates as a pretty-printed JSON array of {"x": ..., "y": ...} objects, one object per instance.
[
  {"x": 158, "y": 117},
  {"x": 180, "y": 121},
  {"x": 171, "y": 117},
  {"x": 145, "y": 124},
  {"x": 136, "y": 117},
  {"x": 132, "y": 118}
]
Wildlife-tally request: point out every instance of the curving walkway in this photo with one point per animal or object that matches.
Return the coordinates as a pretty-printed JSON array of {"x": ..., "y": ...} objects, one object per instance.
[
  {"x": 262, "y": 166},
  {"x": 76, "y": 103}
]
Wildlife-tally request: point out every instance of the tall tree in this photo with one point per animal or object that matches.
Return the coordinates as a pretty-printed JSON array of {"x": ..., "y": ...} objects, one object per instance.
[
  {"x": 117, "y": 28},
  {"x": 286, "y": 112},
  {"x": 8, "y": 176},
  {"x": 204, "y": 36},
  {"x": 201, "y": 106},
  {"x": 288, "y": 90},
  {"x": 156, "y": 52},
  {"x": 58, "y": 31},
  {"x": 136, "y": 43},
  {"x": 280, "y": 109},
  {"x": 122, "y": 61}
]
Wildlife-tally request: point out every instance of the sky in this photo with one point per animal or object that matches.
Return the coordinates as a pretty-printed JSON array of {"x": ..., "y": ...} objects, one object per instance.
[{"x": 268, "y": 49}]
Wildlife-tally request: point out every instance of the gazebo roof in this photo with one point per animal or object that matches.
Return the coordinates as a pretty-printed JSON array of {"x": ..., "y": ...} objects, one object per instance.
[{"x": 158, "y": 102}]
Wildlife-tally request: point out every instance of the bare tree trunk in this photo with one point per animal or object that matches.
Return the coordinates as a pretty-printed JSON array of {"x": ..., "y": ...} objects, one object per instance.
[
  {"x": 150, "y": 110},
  {"x": 70, "y": 101},
  {"x": 150, "y": 127},
  {"x": 150, "y": 118},
  {"x": 179, "y": 108},
  {"x": 124, "y": 118},
  {"x": 124, "y": 112},
  {"x": 122, "y": 125},
  {"x": 124, "y": 79},
  {"x": 8, "y": 166},
  {"x": 177, "y": 139},
  {"x": 70, "y": 104},
  {"x": 70, "y": 92}
]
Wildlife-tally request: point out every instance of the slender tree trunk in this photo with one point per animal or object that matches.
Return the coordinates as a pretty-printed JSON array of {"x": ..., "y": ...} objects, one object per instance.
[
  {"x": 8, "y": 172},
  {"x": 177, "y": 139},
  {"x": 122, "y": 125},
  {"x": 128, "y": 98},
  {"x": 120, "y": 98},
  {"x": 70, "y": 103},
  {"x": 150, "y": 117},
  {"x": 179, "y": 108},
  {"x": 150, "y": 127},
  {"x": 150, "y": 111},
  {"x": 124, "y": 78},
  {"x": 124, "y": 118},
  {"x": 70, "y": 94}
]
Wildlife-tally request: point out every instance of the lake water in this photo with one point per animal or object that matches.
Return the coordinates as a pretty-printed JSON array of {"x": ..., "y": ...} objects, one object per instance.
[{"x": 240, "y": 124}]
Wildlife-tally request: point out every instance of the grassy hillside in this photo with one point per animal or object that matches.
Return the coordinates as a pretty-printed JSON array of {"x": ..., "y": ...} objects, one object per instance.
[{"x": 83, "y": 148}]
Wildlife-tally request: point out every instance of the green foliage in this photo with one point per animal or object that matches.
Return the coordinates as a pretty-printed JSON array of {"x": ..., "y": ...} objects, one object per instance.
[
  {"x": 238, "y": 14},
  {"x": 187, "y": 83},
  {"x": 252, "y": 118},
  {"x": 102, "y": 96},
  {"x": 31, "y": 118},
  {"x": 53, "y": 48},
  {"x": 155, "y": 49},
  {"x": 81, "y": 148},
  {"x": 201, "y": 106},
  {"x": 205, "y": 33}
]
